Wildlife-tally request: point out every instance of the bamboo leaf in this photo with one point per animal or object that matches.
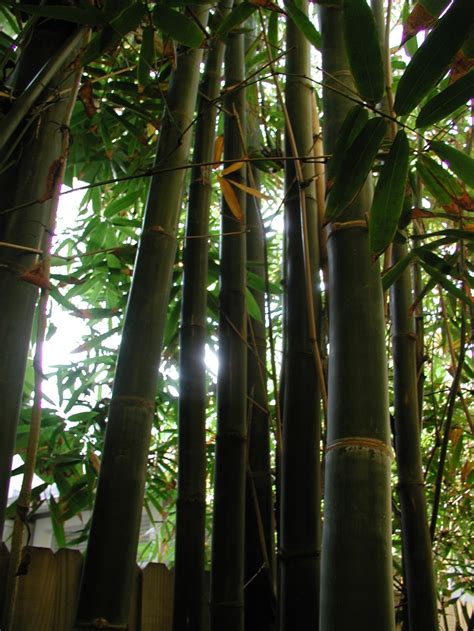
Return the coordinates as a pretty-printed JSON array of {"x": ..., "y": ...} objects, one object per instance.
[
  {"x": 252, "y": 306},
  {"x": 146, "y": 60},
  {"x": 363, "y": 49},
  {"x": 447, "y": 101},
  {"x": 238, "y": 15},
  {"x": 303, "y": 23},
  {"x": 355, "y": 167},
  {"x": 218, "y": 148},
  {"x": 119, "y": 204},
  {"x": 89, "y": 16},
  {"x": 392, "y": 274},
  {"x": 432, "y": 59},
  {"x": 235, "y": 166},
  {"x": 460, "y": 163},
  {"x": 444, "y": 281},
  {"x": 422, "y": 17},
  {"x": 443, "y": 186},
  {"x": 231, "y": 198},
  {"x": 249, "y": 189},
  {"x": 353, "y": 123},
  {"x": 178, "y": 26},
  {"x": 273, "y": 29},
  {"x": 389, "y": 193},
  {"x": 126, "y": 21}
]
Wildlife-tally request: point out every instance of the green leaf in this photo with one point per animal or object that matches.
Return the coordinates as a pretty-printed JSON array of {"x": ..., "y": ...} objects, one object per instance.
[
  {"x": 126, "y": 21},
  {"x": 89, "y": 16},
  {"x": 445, "y": 283},
  {"x": 238, "y": 15},
  {"x": 363, "y": 50},
  {"x": 116, "y": 205},
  {"x": 355, "y": 120},
  {"x": 389, "y": 193},
  {"x": 355, "y": 167},
  {"x": 305, "y": 25},
  {"x": 460, "y": 163},
  {"x": 443, "y": 186},
  {"x": 447, "y": 101},
  {"x": 178, "y": 26},
  {"x": 273, "y": 30},
  {"x": 146, "y": 60},
  {"x": 394, "y": 272},
  {"x": 252, "y": 306},
  {"x": 255, "y": 281},
  {"x": 432, "y": 59},
  {"x": 422, "y": 17}
]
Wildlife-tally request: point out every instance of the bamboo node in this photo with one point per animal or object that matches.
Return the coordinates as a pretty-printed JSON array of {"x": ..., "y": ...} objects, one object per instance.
[
  {"x": 407, "y": 335},
  {"x": 136, "y": 401},
  {"x": 234, "y": 604},
  {"x": 100, "y": 623},
  {"x": 160, "y": 230},
  {"x": 335, "y": 226},
  {"x": 363, "y": 442},
  {"x": 295, "y": 557}
]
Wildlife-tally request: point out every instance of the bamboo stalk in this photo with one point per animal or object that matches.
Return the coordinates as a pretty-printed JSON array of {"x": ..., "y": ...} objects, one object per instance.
[
  {"x": 24, "y": 498},
  {"x": 416, "y": 542},
  {"x": 188, "y": 607},
  {"x": 227, "y": 571},
  {"x": 107, "y": 575},
  {"x": 37, "y": 169},
  {"x": 300, "y": 478},
  {"x": 23, "y": 103},
  {"x": 356, "y": 572},
  {"x": 260, "y": 580}
]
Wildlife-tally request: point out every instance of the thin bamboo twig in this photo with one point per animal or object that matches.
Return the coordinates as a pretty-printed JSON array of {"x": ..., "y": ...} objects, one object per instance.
[
  {"x": 452, "y": 353},
  {"x": 447, "y": 428}
]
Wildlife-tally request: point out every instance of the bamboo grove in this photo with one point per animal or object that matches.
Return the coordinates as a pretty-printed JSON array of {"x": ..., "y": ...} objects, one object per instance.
[{"x": 270, "y": 268}]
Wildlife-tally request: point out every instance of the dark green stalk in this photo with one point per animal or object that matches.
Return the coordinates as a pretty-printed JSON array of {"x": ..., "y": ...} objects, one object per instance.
[
  {"x": 356, "y": 572},
  {"x": 227, "y": 573},
  {"x": 32, "y": 175},
  {"x": 260, "y": 596},
  {"x": 300, "y": 481},
  {"x": 110, "y": 558},
  {"x": 22, "y": 105},
  {"x": 188, "y": 609},
  {"x": 416, "y": 542}
]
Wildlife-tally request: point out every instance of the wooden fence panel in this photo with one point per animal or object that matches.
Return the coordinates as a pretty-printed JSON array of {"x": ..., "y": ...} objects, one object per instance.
[
  {"x": 157, "y": 598},
  {"x": 36, "y": 597},
  {"x": 68, "y": 576}
]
